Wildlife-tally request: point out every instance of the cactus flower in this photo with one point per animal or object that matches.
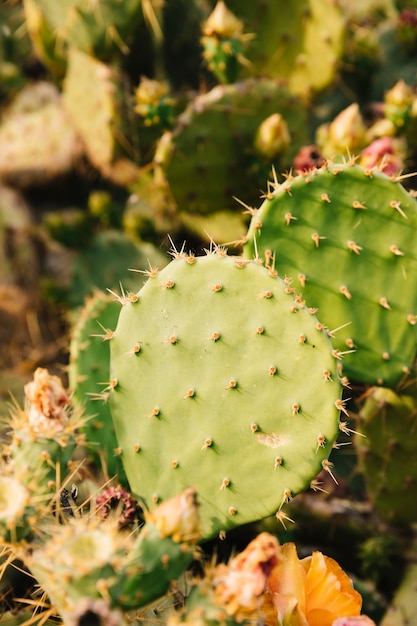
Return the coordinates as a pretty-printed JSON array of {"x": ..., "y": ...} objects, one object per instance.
[
  {"x": 240, "y": 584},
  {"x": 47, "y": 402},
  {"x": 313, "y": 591}
]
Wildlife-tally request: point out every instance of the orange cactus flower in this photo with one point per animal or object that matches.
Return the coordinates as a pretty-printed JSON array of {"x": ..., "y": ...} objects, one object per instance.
[{"x": 314, "y": 591}]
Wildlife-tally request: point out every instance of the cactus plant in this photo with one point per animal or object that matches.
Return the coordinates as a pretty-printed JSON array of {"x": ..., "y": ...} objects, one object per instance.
[
  {"x": 213, "y": 143},
  {"x": 93, "y": 96},
  {"x": 126, "y": 570},
  {"x": 343, "y": 235},
  {"x": 51, "y": 146},
  {"x": 388, "y": 423},
  {"x": 100, "y": 29},
  {"x": 301, "y": 42},
  {"x": 222, "y": 395},
  {"x": 88, "y": 369}
]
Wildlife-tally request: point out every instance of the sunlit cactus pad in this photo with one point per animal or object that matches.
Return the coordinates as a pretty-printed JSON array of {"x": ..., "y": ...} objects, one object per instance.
[
  {"x": 222, "y": 381},
  {"x": 345, "y": 236}
]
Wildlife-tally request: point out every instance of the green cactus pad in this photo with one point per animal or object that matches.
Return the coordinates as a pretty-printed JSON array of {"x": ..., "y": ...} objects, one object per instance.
[
  {"x": 99, "y": 28},
  {"x": 88, "y": 372},
  {"x": 300, "y": 41},
  {"x": 345, "y": 236},
  {"x": 388, "y": 421},
  {"x": 210, "y": 150},
  {"x": 222, "y": 381}
]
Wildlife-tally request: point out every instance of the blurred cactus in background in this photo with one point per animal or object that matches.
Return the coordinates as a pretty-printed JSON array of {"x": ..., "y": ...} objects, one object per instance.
[{"x": 207, "y": 312}]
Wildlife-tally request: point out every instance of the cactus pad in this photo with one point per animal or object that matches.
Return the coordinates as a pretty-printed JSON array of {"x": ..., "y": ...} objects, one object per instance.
[
  {"x": 344, "y": 236},
  {"x": 221, "y": 380},
  {"x": 388, "y": 421},
  {"x": 88, "y": 370}
]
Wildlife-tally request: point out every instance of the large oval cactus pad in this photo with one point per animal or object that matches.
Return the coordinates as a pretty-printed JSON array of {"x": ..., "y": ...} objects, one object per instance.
[
  {"x": 346, "y": 235},
  {"x": 222, "y": 381}
]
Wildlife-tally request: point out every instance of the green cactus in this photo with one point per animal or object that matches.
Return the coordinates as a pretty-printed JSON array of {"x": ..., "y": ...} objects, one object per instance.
[
  {"x": 224, "y": 43},
  {"x": 103, "y": 264},
  {"x": 214, "y": 379},
  {"x": 343, "y": 235},
  {"x": 403, "y": 610},
  {"x": 88, "y": 369},
  {"x": 44, "y": 434},
  {"x": 212, "y": 146},
  {"x": 127, "y": 570},
  {"x": 301, "y": 42},
  {"x": 93, "y": 96},
  {"x": 98, "y": 28},
  {"x": 387, "y": 453}
]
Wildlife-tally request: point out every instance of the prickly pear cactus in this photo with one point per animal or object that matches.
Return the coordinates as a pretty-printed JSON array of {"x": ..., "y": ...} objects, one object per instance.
[
  {"x": 102, "y": 29},
  {"x": 220, "y": 379},
  {"x": 93, "y": 97},
  {"x": 344, "y": 236},
  {"x": 212, "y": 145},
  {"x": 300, "y": 41},
  {"x": 388, "y": 423},
  {"x": 39, "y": 142},
  {"x": 88, "y": 370}
]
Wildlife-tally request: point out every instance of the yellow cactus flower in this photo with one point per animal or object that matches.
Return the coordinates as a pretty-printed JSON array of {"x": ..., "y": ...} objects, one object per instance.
[{"x": 314, "y": 591}]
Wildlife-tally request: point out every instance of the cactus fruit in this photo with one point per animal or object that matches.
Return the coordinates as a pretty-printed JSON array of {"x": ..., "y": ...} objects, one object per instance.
[
  {"x": 344, "y": 236},
  {"x": 388, "y": 423},
  {"x": 219, "y": 378}
]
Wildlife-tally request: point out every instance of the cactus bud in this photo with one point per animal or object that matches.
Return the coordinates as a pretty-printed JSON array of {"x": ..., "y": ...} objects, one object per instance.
[
  {"x": 347, "y": 131},
  {"x": 222, "y": 23},
  {"x": 272, "y": 136},
  {"x": 178, "y": 517}
]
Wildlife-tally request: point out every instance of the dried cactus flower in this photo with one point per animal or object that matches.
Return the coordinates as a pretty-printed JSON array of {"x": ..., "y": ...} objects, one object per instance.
[
  {"x": 47, "y": 402},
  {"x": 240, "y": 584},
  {"x": 119, "y": 501}
]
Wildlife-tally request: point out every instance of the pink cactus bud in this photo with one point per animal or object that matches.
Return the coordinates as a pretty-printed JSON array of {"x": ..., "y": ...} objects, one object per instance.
[{"x": 381, "y": 153}]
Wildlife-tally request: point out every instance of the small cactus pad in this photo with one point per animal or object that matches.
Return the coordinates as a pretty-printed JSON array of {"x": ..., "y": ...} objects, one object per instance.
[
  {"x": 222, "y": 381},
  {"x": 89, "y": 369},
  {"x": 345, "y": 237}
]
